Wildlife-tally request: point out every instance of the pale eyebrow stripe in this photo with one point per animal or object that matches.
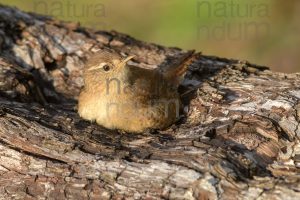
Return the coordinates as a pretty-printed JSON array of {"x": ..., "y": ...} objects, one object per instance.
[{"x": 102, "y": 64}]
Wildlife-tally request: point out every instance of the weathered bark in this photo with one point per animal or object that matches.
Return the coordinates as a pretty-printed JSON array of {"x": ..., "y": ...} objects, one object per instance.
[{"x": 239, "y": 139}]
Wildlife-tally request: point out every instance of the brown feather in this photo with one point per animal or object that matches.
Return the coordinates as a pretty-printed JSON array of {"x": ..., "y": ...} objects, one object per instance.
[{"x": 176, "y": 72}]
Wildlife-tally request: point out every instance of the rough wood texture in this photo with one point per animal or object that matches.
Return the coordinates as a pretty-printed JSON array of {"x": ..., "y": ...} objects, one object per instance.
[{"x": 239, "y": 139}]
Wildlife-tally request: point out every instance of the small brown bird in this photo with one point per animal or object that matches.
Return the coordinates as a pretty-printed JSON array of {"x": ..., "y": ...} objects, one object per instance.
[{"x": 125, "y": 97}]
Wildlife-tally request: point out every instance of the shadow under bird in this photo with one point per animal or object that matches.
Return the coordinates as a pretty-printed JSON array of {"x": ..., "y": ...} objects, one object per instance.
[{"x": 126, "y": 97}]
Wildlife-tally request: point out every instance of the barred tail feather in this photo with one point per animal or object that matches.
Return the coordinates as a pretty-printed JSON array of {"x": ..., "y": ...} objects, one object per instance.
[{"x": 176, "y": 73}]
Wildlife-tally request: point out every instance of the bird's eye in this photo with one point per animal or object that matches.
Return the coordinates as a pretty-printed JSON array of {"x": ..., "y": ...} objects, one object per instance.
[{"x": 106, "y": 68}]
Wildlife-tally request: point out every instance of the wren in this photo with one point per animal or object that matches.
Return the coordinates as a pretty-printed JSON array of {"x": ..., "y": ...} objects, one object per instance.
[{"x": 130, "y": 98}]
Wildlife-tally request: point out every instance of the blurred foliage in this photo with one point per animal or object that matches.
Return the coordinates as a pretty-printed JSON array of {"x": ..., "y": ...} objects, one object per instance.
[{"x": 265, "y": 32}]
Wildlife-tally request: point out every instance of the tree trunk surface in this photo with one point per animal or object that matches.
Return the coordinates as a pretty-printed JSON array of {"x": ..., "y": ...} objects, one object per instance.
[{"x": 239, "y": 138}]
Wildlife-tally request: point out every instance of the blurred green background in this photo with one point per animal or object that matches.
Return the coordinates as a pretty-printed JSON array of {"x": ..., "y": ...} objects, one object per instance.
[{"x": 265, "y": 32}]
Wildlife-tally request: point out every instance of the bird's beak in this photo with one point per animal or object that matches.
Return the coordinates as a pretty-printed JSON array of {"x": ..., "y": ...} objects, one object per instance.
[{"x": 123, "y": 63}]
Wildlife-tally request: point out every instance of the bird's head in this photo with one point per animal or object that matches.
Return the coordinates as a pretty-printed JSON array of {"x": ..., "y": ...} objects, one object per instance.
[{"x": 103, "y": 66}]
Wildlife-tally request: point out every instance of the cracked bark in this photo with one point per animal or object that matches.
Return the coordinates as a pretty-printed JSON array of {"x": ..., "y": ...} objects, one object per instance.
[{"x": 239, "y": 139}]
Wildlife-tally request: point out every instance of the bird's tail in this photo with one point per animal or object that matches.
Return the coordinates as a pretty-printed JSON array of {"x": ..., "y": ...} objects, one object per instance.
[{"x": 177, "y": 70}]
